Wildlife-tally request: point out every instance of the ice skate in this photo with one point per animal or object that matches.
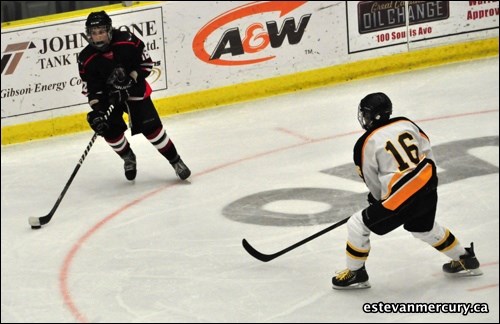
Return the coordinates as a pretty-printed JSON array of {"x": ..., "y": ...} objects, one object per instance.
[
  {"x": 181, "y": 170},
  {"x": 351, "y": 279},
  {"x": 130, "y": 165},
  {"x": 467, "y": 265}
]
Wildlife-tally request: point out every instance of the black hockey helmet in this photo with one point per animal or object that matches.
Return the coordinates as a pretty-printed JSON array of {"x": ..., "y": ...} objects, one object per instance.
[
  {"x": 98, "y": 19},
  {"x": 374, "y": 108}
]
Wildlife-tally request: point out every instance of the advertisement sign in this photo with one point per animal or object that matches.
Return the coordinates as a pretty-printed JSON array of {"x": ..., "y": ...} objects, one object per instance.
[
  {"x": 39, "y": 63},
  {"x": 201, "y": 46},
  {"x": 381, "y": 24}
]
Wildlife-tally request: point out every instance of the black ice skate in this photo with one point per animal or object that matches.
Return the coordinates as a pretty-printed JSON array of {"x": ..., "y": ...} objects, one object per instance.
[
  {"x": 130, "y": 165},
  {"x": 349, "y": 279},
  {"x": 181, "y": 170},
  {"x": 468, "y": 265}
]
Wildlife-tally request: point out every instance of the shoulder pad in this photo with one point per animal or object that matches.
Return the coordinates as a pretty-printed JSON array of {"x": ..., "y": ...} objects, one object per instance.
[
  {"x": 121, "y": 36},
  {"x": 86, "y": 53}
]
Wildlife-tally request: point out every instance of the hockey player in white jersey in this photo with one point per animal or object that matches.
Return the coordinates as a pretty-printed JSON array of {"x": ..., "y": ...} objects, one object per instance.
[{"x": 394, "y": 158}]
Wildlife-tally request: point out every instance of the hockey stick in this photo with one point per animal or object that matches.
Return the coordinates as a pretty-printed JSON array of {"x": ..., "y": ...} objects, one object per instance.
[
  {"x": 268, "y": 257},
  {"x": 37, "y": 222}
]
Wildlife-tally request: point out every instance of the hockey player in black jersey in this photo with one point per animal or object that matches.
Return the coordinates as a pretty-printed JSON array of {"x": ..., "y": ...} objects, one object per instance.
[
  {"x": 113, "y": 68},
  {"x": 395, "y": 160}
]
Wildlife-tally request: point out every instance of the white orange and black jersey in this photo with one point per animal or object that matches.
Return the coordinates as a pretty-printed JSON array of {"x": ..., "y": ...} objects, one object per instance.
[
  {"x": 125, "y": 50},
  {"x": 392, "y": 160}
]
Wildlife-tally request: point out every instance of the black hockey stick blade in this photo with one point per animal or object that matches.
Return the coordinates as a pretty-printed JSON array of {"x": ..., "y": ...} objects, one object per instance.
[
  {"x": 39, "y": 221},
  {"x": 256, "y": 254},
  {"x": 268, "y": 257}
]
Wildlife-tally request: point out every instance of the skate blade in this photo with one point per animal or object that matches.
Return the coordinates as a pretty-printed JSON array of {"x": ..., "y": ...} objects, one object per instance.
[
  {"x": 468, "y": 273},
  {"x": 359, "y": 285}
]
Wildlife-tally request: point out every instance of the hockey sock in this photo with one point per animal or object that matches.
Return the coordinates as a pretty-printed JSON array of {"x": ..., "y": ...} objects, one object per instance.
[
  {"x": 358, "y": 242},
  {"x": 442, "y": 240},
  {"x": 119, "y": 144},
  {"x": 163, "y": 144}
]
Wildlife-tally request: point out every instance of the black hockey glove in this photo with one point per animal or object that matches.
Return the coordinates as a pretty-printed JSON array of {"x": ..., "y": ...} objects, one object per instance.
[
  {"x": 97, "y": 121},
  {"x": 117, "y": 97},
  {"x": 371, "y": 199},
  {"x": 120, "y": 80}
]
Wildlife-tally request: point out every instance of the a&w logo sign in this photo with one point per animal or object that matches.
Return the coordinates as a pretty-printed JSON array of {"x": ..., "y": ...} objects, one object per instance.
[{"x": 256, "y": 37}]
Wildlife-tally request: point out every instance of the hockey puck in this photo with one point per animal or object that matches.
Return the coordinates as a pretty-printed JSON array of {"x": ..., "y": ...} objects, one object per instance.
[{"x": 35, "y": 227}]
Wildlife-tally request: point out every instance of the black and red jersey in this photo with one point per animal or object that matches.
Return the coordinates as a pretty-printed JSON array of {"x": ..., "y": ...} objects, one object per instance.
[{"x": 125, "y": 50}]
